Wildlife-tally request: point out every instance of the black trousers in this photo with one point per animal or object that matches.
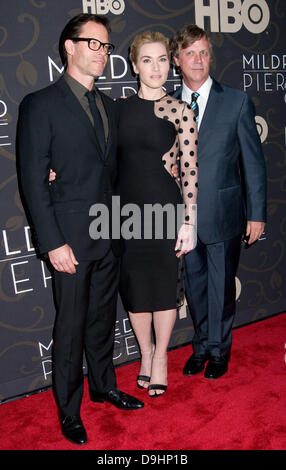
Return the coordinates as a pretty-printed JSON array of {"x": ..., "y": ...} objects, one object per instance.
[
  {"x": 85, "y": 322},
  {"x": 210, "y": 291}
]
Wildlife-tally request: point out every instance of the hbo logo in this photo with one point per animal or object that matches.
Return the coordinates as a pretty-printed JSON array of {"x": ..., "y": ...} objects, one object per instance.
[
  {"x": 262, "y": 128},
  {"x": 228, "y": 16},
  {"x": 102, "y": 7}
]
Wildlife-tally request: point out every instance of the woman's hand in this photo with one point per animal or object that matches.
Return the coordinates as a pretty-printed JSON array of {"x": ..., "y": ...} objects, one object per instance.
[
  {"x": 52, "y": 176},
  {"x": 175, "y": 172},
  {"x": 185, "y": 240}
]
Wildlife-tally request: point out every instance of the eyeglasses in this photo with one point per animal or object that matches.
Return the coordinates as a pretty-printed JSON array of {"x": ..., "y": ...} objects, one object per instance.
[{"x": 95, "y": 44}]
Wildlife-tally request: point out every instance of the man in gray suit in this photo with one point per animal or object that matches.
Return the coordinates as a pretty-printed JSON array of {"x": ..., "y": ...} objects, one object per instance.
[{"x": 231, "y": 199}]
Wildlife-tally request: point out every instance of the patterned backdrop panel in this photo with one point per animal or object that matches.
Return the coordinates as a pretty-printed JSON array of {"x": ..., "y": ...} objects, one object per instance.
[{"x": 249, "y": 54}]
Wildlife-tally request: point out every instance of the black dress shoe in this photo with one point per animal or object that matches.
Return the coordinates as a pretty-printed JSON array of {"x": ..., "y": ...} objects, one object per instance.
[
  {"x": 216, "y": 367},
  {"x": 121, "y": 400},
  {"x": 73, "y": 430},
  {"x": 195, "y": 364}
]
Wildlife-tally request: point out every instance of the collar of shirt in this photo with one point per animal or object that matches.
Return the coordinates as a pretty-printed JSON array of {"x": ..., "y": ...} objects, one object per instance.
[
  {"x": 203, "y": 91},
  {"x": 77, "y": 88},
  {"x": 79, "y": 91}
]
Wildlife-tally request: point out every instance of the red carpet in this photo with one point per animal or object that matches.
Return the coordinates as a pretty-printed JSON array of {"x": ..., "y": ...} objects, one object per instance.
[{"x": 243, "y": 410}]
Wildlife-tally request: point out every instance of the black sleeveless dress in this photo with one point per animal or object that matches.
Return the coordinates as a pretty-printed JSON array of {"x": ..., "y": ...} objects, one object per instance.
[{"x": 152, "y": 136}]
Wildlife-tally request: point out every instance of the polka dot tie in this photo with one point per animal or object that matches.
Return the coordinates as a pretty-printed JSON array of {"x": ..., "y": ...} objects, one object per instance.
[{"x": 194, "y": 105}]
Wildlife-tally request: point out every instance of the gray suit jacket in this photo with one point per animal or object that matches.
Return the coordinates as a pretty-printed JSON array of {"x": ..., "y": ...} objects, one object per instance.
[{"x": 232, "y": 173}]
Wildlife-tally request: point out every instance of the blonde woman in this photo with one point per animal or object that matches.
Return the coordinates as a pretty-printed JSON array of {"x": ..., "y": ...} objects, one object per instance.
[{"x": 154, "y": 130}]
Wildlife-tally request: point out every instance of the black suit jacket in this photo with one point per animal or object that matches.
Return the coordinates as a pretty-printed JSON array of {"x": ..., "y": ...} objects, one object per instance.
[
  {"x": 232, "y": 174},
  {"x": 54, "y": 132}
]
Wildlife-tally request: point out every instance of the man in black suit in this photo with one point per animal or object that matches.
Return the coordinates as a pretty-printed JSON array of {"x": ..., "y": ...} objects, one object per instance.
[
  {"x": 71, "y": 127},
  {"x": 228, "y": 204}
]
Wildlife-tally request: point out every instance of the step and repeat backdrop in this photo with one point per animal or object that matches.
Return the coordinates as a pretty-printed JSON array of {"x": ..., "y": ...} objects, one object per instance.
[{"x": 249, "y": 53}]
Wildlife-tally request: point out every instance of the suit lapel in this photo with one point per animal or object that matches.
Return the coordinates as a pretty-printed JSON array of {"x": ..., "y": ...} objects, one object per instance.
[
  {"x": 177, "y": 93},
  {"x": 212, "y": 106},
  {"x": 78, "y": 112}
]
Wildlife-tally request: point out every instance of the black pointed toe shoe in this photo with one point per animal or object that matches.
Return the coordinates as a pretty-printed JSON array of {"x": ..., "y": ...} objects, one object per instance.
[
  {"x": 121, "y": 400},
  {"x": 73, "y": 429},
  {"x": 216, "y": 368},
  {"x": 195, "y": 364}
]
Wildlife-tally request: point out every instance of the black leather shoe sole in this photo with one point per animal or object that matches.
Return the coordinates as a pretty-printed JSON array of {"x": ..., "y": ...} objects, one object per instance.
[{"x": 75, "y": 439}]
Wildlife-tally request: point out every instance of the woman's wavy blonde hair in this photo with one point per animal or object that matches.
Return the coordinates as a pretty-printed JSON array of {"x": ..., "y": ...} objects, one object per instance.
[{"x": 146, "y": 38}]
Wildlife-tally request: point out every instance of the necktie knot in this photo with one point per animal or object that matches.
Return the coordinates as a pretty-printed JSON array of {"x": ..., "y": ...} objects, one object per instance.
[
  {"x": 195, "y": 96},
  {"x": 195, "y": 106},
  {"x": 90, "y": 95}
]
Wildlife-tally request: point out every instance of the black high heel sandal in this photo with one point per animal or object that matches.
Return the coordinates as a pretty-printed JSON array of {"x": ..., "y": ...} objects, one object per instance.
[
  {"x": 145, "y": 378},
  {"x": 157, "y": 387}
]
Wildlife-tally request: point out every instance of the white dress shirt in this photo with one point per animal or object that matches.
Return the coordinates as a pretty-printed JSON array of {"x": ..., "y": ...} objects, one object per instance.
[{"x": 202, "y": 100}]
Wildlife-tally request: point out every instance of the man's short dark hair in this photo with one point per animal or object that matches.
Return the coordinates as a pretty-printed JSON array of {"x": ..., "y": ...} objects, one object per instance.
[{"x": 73, "y": 29}]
